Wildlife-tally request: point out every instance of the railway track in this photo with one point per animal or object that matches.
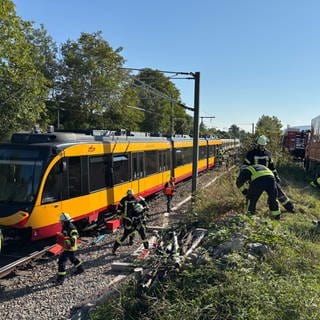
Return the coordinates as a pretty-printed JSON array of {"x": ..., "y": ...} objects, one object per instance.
[{"x": 8, "y": 268}]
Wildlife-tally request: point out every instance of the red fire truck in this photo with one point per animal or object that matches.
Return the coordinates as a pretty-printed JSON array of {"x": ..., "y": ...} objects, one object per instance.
[{"x": 295, "y": 140}]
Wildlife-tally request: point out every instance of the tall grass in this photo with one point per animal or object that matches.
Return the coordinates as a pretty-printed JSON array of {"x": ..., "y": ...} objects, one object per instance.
[{"x": 282, "y": 285}]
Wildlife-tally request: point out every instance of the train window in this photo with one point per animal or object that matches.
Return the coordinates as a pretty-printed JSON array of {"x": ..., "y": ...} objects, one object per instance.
[
  {"x": 98, "y": 173},
  {"x": 85, "y": 174},
  {"x": 74, "y": 170},
  {"x": 164, "y": 160},
  {"x": 151, "y": 161},
  {"x": 212, "y": 151},
  {"x": 137, "y": 165},
  {"x": 141, "y": 165},
  {"x": 179, "y": 157},
  {"x": 187, "y": 152},
  {"x": 203, "y": 152},
  {"x": 53, "y": 186},
  {"x": 168, "y": 159},
  {"x": 121, "y": 168}
]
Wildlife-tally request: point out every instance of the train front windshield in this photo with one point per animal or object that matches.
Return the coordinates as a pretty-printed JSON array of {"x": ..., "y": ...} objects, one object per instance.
[{"x": 20, "y": 173}]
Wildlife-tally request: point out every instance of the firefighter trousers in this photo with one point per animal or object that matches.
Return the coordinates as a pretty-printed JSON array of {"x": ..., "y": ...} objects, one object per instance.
[
  {"x": 129, "y": 231},
  {"x": 284, "y": 200},
  {"x": 64, "y": 257},
  {"x": 257, "y": 187},
  {"x": 169, "y": 199}
]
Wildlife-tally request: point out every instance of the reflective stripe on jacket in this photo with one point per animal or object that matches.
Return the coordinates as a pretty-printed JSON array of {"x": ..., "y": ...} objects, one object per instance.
[
  {"x": 251, "y": 173},
  {"x": 71, "y": 237}
]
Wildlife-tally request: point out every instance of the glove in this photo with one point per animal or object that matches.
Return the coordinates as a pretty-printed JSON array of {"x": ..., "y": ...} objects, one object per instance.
[{"x": 244, "y": 192}]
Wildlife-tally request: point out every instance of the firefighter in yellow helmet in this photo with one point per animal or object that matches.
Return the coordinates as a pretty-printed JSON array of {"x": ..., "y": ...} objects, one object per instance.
[
  {"x": 133, "y": 212},
  {"x": 260, "y": 155},
  {"x": 68, "y": 239}
]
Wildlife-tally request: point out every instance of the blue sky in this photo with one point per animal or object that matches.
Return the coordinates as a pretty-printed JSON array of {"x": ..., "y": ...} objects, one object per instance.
[{"x": 255, "y": 57}]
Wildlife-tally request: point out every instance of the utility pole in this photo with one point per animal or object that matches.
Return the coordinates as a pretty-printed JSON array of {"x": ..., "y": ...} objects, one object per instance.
[
  {"x": 171, "y": 135},
  {"x": 196, "y": 113}
]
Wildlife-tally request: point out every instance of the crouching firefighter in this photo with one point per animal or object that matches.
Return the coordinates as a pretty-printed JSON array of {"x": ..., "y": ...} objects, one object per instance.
[
  {"x": 68, "y": 239},
  {"x": 260, "y": 179},
  {"x": 260, "y": 155},
  {"x": 133, "y": 212}
]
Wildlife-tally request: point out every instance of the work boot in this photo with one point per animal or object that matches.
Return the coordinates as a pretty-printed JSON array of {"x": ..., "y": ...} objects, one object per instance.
[
  {"x": 60, "y": 280},
  {"x": 289, "y": 207},
  {"x": 79, "y": 270},
  {"x": 275, "y": 217}
]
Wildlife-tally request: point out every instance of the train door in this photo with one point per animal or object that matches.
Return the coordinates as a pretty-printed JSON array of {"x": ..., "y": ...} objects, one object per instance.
[
  {"x": 46, "y": 215},
  {"x": 164, "y": 165},
  {"x": 138, "y": 171}
]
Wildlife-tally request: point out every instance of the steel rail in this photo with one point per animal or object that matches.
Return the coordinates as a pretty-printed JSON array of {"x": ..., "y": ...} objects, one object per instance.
[{"x": 4, "y": 271}]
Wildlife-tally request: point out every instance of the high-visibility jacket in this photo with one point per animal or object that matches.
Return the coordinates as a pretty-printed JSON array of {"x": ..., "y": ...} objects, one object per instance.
[
  {"x": 169, "y": 188},
  {"x": 70, "y": 236},
  {"x": 251, "y": 173}
]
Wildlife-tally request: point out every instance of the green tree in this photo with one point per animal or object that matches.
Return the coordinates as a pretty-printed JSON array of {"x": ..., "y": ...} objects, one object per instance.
[
  {"x": 95, "y": 91},
  {"x": 45, "y": 58},
  {"x": 162, "y": 115},
  {"x": 23, "y": 89},
  {"x": 234, "y": 131}
]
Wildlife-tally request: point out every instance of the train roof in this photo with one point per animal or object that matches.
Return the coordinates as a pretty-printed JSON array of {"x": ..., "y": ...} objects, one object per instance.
[
  {"x": 57, "y": 138},
  {"x": 62, "y": 139}
]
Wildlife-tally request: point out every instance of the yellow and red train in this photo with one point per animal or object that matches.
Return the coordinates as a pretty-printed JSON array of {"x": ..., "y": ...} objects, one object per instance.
[{"x": 44, "y": 174}]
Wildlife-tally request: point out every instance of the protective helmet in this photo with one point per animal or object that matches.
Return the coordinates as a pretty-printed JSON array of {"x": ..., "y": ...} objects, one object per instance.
[
  {"x": 130, "y": 192},
  {"x": 262, "y": 140},
  {"x": 138, "y": 207},
  {"x": 65, "y": 217}
]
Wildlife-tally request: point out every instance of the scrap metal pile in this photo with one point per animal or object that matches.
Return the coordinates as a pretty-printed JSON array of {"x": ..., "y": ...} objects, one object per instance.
[{"x": 172, "y": 247}]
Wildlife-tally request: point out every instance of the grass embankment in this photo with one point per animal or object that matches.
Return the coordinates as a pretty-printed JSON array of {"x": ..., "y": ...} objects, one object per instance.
[{"x": 281, "y": 283}]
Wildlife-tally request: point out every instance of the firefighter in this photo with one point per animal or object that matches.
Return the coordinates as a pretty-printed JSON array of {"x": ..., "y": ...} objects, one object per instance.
[
  {"x": 68, "y": 239},
  {"x": 169, "y": 189},
  {"x": 260, "y": 155},
  {"x": 260, "y": 179},
  {"x": 133, "y": 212}
]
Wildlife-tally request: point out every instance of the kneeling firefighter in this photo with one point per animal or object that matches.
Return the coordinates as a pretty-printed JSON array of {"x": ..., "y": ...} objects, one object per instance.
[{"x": 260, "y": 179}]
